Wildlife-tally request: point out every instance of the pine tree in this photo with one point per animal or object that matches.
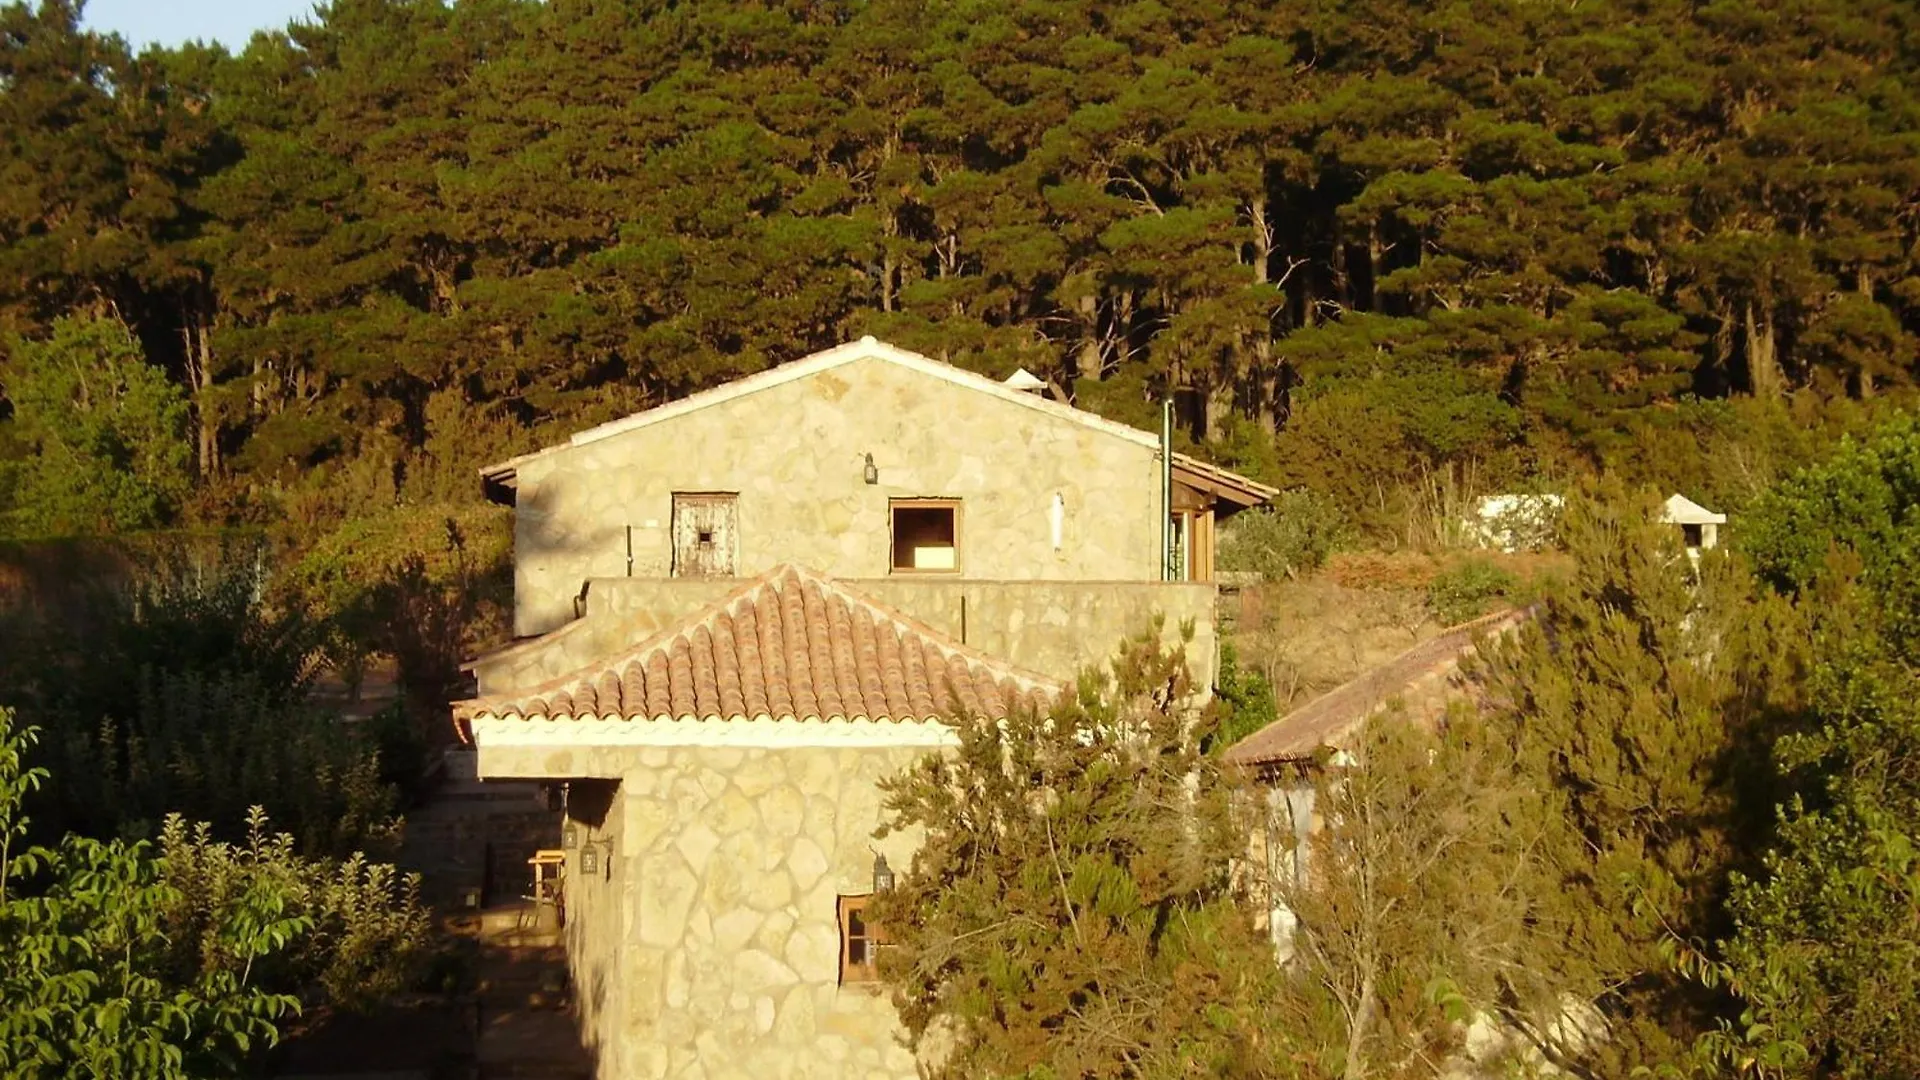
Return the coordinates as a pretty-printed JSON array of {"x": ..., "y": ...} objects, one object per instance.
[{"x": 1073, "y": 911}]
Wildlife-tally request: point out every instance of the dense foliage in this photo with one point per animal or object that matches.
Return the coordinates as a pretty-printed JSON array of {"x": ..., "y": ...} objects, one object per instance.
[
  {"x": 1292, "y": 535},
  {"x": 1824, "y": 951},
  {"x": 103, "y": 434},
  {"x": 179, "y": 961},
  {"x": 1073, "y": 910},
  {"x": 408, "y": 236},
  {"x": 1675, "y": 837},
  {"x": 183, "y": 690}
]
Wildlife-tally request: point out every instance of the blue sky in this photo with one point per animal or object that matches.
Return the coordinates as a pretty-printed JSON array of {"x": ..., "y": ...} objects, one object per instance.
[{"x": 170, "y": 22}]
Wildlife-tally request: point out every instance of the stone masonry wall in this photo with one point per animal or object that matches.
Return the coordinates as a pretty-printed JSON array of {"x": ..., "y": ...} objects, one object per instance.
[
  {"x": 710, "y": 946},
  {"x": 795, "y": 454},
  {"x": 601, "y": 909},
  {"x": 1052, "y": 627}
]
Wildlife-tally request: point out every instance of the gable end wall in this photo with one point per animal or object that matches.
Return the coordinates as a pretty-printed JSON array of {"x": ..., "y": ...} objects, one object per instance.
[{"x": 795, "y": 453}]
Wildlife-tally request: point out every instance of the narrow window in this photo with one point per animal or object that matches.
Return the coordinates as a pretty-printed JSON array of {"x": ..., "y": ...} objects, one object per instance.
[
  {"x": 860, "y": 942},
  {"x": 1180, "y": 546},
  {"x": 926, "y": 535},
  {"x": 1694, "y": 534}
]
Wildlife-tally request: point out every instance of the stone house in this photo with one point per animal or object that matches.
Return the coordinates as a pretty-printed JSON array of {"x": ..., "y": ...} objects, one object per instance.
[{"x": 741, "y": 610}]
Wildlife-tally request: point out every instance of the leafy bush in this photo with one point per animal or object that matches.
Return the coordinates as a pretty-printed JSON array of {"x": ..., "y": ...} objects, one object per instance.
[
  {"x": 124, "y": 961},
  {"x": 184, "y": 691},
  {"x": 1467, "y": 590},
  {"x": 426, "y": 586},
  {"x": 1823, "y": 954},
  {"x": 104, "y": 434},
  {"x": 1293, "y": 535},
  {"x": 1243, "y": 697},
  {"x": 1859, "y": 500},
  {"x": 365, "y": 925},
  {"x": 1072, "y": 911}
]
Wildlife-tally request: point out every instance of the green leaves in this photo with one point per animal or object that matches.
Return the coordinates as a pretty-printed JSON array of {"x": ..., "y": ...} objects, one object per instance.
[
  {"x": 123, "y": 961},
  {"x": 1822, "y": 953},
  {"x": 102, "y": 431},
  {"x": 1072, "y": 911},
  {"x": 1402, "y": 239}
]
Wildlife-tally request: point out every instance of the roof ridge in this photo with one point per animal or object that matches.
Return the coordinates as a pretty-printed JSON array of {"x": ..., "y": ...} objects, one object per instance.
[
  {"x": 773, "y": 581},
  {"x": 825, "y": 359},
  {"x": 665, "y": 636},
  {"x": 940, "y": 639}
]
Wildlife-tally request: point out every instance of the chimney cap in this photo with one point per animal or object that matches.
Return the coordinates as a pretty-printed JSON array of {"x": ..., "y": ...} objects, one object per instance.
[{"x": 1022, "y": 379}]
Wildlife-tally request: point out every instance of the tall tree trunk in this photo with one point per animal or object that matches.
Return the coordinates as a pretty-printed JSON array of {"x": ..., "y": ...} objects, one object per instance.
[
  {"x": 1262, "y": 241},
  {"x": 1342, "y": 276},
  {"x": 889, "y": 259},
  {"x": 1088, "y": 365},
  {"x": 1219, "y": 402},
  {"x": 1763, "y": 356},
  {"x": 1376, "y": 265},
  {"x": 1356, "y": 1066},
  {"x": 1258, "y": 380},
  {"x": 1266, "y": 385},
  {"x": 196, "y": 337}
]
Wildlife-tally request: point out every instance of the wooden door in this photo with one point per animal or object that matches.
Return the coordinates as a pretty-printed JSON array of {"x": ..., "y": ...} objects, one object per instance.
[{"x": 705, "y": 535}]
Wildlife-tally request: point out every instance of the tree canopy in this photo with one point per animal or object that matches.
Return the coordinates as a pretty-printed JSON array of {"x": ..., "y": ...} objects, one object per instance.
[{"x": 1353, "y": 240}]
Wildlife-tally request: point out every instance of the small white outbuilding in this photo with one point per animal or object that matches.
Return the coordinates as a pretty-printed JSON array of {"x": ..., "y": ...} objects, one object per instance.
[{"x": 1698, "y": 525}]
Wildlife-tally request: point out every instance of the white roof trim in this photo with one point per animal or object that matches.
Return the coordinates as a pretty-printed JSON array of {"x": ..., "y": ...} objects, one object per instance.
[
  {"x": 766, "y": 732},
  {"x": 1680, "y": 510},
  {"x": 865, "y": 348}
]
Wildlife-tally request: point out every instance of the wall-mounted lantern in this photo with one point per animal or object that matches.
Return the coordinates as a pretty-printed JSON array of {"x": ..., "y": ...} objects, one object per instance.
[
  {"x": 882, "y": 874},
  {"x": 870, "y": 473},
  {"x": 589, "y": 860},
  {"x": 570, "y": 836}
]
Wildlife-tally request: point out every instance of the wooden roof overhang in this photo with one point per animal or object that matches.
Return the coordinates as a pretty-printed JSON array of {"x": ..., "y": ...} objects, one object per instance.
[{"x": 1219, "y": 484}]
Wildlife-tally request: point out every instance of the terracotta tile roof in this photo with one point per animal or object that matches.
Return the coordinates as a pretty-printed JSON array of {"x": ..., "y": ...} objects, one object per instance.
[
  {"x": 1421, "y": 676},
  {"x": 791, "y": 644}
]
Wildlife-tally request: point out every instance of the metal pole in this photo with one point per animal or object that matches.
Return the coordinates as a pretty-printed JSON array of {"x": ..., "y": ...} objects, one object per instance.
[{"x": 1166, "y": 488}]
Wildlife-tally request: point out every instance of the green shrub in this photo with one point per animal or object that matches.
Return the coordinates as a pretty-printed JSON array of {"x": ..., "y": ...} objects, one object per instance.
[
  {"x": 101, "y": 434},
  {"x": 1467, "y": 590},
  {"x": 186, "y": 691},
  {"x": 181, "y": 959},
  {"x": 1243, "y": 697},
  {"x": 1292, "y": 536}
]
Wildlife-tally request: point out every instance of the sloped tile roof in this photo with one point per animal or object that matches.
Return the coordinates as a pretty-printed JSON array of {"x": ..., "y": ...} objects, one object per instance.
[
  {"x": 791, "y": 644},
  {"x": 1421, "y": 676}
]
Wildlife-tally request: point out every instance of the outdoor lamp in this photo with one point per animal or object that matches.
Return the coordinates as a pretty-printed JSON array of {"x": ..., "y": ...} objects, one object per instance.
[
  {"x": 570, "y": 836},
  {"x": 871, "y": 473},
  {"x": 589, "y": 860},
  {"x": 882, "y": 874}
]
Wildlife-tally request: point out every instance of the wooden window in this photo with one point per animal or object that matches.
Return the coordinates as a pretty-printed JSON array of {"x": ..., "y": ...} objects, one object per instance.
[
  {"x": 860, "y": 942},
  {"x": 705, "y": 534},
  {"x": 926, "y": 535},
  {"x": 1190, "y": 535}
]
